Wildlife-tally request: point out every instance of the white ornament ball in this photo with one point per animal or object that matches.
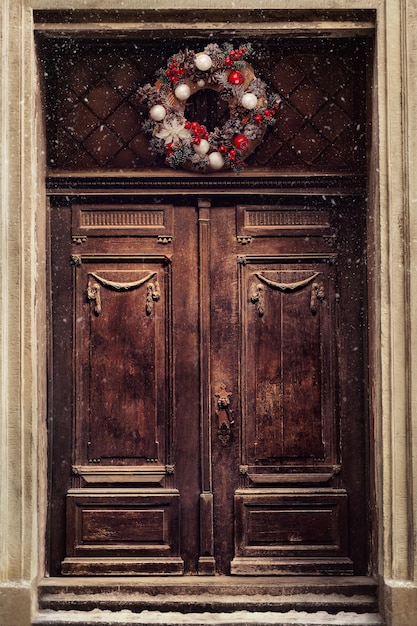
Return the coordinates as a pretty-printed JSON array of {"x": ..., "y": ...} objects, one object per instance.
[
  {"x": 203, "y": 147},
  {"x": 203, "y": 62},
  {"x": 216, "y": 160},
  {"x": 249, "y": 101},
  {"x": 157, "y": 112},
  {"x": 182, "y": 92},
  {"x": 201, "y": 83}
]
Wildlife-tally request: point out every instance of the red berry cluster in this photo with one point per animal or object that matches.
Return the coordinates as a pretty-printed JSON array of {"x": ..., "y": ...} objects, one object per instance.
[
  {"x": 267, "y": 114},
  {"x": 234, "y": 55},
  {"x": 169, "y": 149},
  {"x": 198, "y": 131},
  {"x": 231, "y": 154},
  {"x": 174, "y": 71}
]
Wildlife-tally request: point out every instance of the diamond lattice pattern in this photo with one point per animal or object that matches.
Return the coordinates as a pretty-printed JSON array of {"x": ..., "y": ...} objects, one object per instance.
[
  {"x": 320, "y": 124},
  {"x": 94, "y": 117}
]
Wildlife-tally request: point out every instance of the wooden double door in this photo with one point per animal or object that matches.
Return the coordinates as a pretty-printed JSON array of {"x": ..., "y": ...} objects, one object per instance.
[{"x": 208, "y": 409}]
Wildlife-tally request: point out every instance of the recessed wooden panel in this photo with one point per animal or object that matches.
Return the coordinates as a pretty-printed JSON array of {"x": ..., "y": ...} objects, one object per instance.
[
  {"x": 267, "y": 221},
  {"x": 302, "y": 526},
  {"x": 121, "y": 220},
  {"x": 121, "y": 525},
  {"x": 102, "y": 524},
  {"x": 294, "y": 528},
  {"x": 286, "y": 314},
  {"x": 121, "y": 337}
]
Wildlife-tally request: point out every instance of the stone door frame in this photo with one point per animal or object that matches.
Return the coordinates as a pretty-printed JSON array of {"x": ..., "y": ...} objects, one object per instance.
[{"x": 392, "y": 288}]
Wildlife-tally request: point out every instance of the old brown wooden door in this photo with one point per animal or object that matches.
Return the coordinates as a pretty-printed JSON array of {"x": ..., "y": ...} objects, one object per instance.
[{"x": 208, "y": 385}]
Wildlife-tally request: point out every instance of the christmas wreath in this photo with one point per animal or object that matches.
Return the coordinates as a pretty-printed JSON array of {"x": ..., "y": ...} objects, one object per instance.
[{"x": 191, "y": 145}]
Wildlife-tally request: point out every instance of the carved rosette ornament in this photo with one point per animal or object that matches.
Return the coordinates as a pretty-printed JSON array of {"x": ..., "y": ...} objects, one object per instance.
[
  {"x": 95, "y": 282},
  {"x": 189, "y": 144}
]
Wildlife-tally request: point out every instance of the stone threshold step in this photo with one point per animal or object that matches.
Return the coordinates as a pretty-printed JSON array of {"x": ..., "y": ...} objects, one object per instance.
[
  {"x": 214, "y": 585},
  {"x": 187, "y": 603},
  {"x": 243, "y": 618}
]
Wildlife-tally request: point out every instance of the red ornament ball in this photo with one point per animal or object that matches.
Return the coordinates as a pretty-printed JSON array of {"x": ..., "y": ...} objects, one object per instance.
[
  {"x": 236, "y": 78},
  {"x": 241, "y": 142}
]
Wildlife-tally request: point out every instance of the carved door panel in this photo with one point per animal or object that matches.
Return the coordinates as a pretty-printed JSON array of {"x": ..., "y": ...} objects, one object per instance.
[
  {"x": 207, "y": 392},
  {"x": 113, "y": 390},
  {"x": 288, "y": 421},
  {"x": 287, "y": 345}
]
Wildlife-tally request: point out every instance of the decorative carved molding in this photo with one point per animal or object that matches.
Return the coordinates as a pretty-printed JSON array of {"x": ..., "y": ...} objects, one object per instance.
[
  {"x": 287, "y": 287},
  {"x": 79, "y": 239},
  {"x": 257, "y": 296},
  {"x": 165, "y": 239},
  {"x": 117, "y": 286},
  {"x": 290, "y": 478},
  {"x": 345, "y": 184},
  {"x": 96, "y": 218},
  {"x": 106, "y": 217},
  {"x": 76, "y": 260},
  {"x": 153, "y": 292},
  {"x": 330, "y": 239},
  {"x": 317, "y": 295},
  {"x": 257, "y": 292},
  {"x": 206, "y": 562},
  {"x": 248, "y": 259},
  {"x": 94, "y": 295},
  {"x": 120, "y": 474},
  {"x": 79, "y": 259},
  {"x": 244, "y": 239},
  {"x": 285, "y": 217}
]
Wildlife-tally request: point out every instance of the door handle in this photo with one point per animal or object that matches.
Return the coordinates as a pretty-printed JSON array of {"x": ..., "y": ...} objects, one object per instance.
[{"x": 223, "y": 414}]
